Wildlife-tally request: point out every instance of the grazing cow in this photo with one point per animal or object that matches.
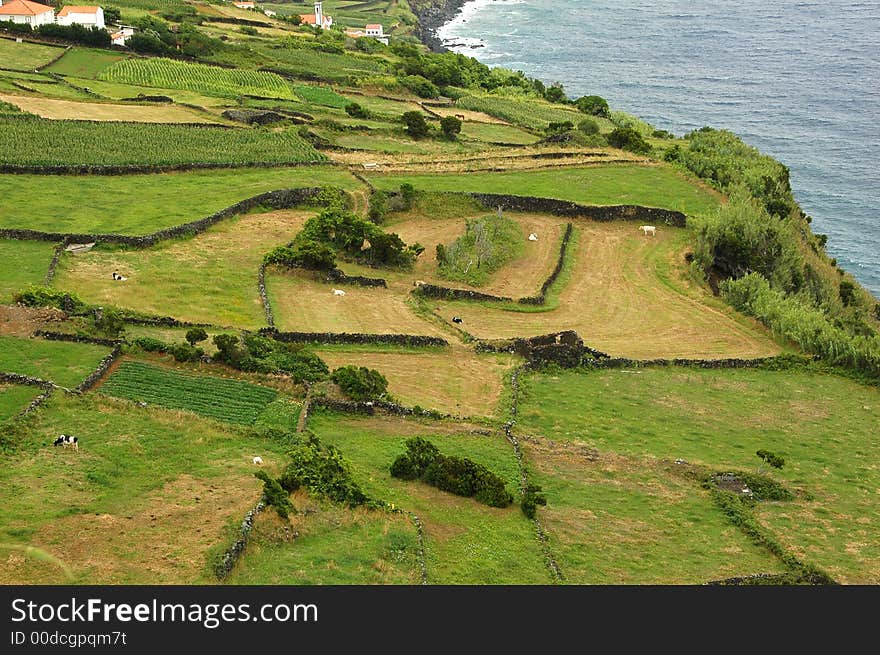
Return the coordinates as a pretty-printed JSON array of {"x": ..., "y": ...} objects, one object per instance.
[
  {"x": 460, "y": 117},
  {"x": 648, "y": 229},
  {"x": 419, "y": 283},
  {"x": 533, "y": 237},
  {"x": 457, "y": 319},
  {"x": 118, "y": 277},
  {"x": 258, "y": 460},
  {"x": 338, "y": 292},
  {"x": 68, "y": 441}
]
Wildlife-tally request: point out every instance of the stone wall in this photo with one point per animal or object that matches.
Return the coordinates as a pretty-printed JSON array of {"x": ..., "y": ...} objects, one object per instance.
[
  {"x": 447, "y": 293},
  {"x": 98, "y": 373}
]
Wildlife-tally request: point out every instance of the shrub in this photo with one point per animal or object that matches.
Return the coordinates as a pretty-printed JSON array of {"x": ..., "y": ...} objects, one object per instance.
[
  {"x": 109, "y": 321},
  {"x": 555, "y": 93},
  {"x": 593, "y": 105},
  {"x": 275, "y": 495},
  {"x": 418, "y": 456},
  {"x": 98, "y": 38},
  {"x": 360, "y": 383},
  {"x": 185, "y": 352},
  {"x": 408, "y": 195},
  {"x": 450, "y": 126},
  {"x": 416, "y": 125},
  {"x": 771, "y": 458},
  {"x": 378, "y": 207},
  {"x": 486, "y": 245},
  {"x": 627, "y": 138},
  {"x": 195, "y": 335},
  {"x": 323, "y": 471},
  {"x": 531, "y": 499},
  {"x": 36, "y": 296},
  {"x": 151, "y": 345},
  {"x": 558, "y": 127},
  {"x": 422, "y": 87},
  {"x": 356, "y": 111},
  {"x": 847, "y": 293},
  {"x": 588, "y": 127},
  {"x": 303, "y": 253}
]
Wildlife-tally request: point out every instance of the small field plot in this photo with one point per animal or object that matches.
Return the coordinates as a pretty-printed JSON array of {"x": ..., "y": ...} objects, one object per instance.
[
  {"x": 496, "y": 133},
  {"x": 453, "y": 382},
  {"x": 650, "y": 186},
  {"x": 720, "y": 419},
  {"x": 151, "y": 202},
  {"x": 84, "y": 62},
  {"x": 26, "y": 56},
  {"x": 213, "y": 397},
  {"x": 14, "y": 398},
  {"x": 99, "y": 111},
  {"x": 466, "y": 542},
  {"x": 333, "y": 546},
  {"x": 145, "y": 498},
  {"x": 61, "y": 362},
  {"x": 629, "y": 295},
  {"x": 211, "y": 278},
  {"x": 302, "y": 303},
  {"x": 31, "y": 263},
  {"x": 615, "y": 520}
]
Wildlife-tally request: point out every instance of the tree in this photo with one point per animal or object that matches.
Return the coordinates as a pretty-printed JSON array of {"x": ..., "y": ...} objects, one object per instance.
[
  {"x": 196, "y": 334},
  {"x": 355, "y": 110},
  {"x": 408, "y": 195},
  {"x": 112, "y": 15},
  {"x": 559, "y": 127},
  {"x": 588, "y": 126},
  {"x": 360, "y": 383},
  {"x": 556, "y": 93},
  {"x": 451, "y": 127},
  {"x": 593, "y": 105},
  {"x": 416, "y": 125},
  {"x": 771, "y": 458}
]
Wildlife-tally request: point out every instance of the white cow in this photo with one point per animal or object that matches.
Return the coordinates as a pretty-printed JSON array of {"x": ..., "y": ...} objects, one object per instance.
[
  {"x": 338, "y": 292},
  {"x": 258, "y": 460},
  {"x": 648, "y": 229},
  {"x": 533, "y": 237}
]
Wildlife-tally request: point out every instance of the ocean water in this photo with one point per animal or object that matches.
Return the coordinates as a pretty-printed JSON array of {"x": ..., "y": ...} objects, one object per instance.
[{"x": 798, "y": 80}]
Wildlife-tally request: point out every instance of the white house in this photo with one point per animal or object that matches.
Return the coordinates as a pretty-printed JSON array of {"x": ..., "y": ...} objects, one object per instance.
[
  {"x": 270, "y": 13},
  {"x": 120, "y": 33},
  {"x": 318, "y": 18},
  {"x": 87, "y": 16},
  {"x": 374, "y": 31},
  {"x": 24, "y": 11},
  {"x": 244, "y": 4}
]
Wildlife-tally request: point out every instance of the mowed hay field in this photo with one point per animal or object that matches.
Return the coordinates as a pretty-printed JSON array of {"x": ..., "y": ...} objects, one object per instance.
[
  {"x": 145, "y": 498},
  {"x": 302, "y": 302},
  {"x": 628, "y": 295},
  {"x": 822, "y": 424},
  {"x": 452, "y": 380},
  {"x": 211, "y": 278},
  {"x": 466, "y": 542},
  {"x": 96, "y": 111},
  {"x": 521, "y": 277},
  {"x": 617, "y": 520}
]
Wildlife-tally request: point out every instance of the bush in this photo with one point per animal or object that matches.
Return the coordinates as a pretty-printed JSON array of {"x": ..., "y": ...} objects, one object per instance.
[
  {"x": 195, "y": 335},
  {"x": 360, "y": 383},
  {"x": 558, "y": 127},
  {"x": 36, "y": 296},
  {"x": 109, "y": 321},
  {"x": 555, "y": 93},
  {"x": 416, "y": 125},
  {"x": 531, "y": 499},
  {"x": 588, "y": 127},
  {"x": 323, "y": 472},
  {"x": 97, "y": 38},
  {"x": 303, "y": 253},
  {"x": 378, "y": 207},
  {"x": 275, "y": 495},
  {"x": 421, "y": 86},
  {"x": 151, "y": 345},
  {"x": 450, "y": 126},
  {"x": 627, "y": 138},
  {"x": 408, "y": 195},
  {"x": 185, "y": 352},
  {"x": 458, "y": 475},
  {"x": 771, "y": 458},
  {"x": 593, "y": 105},
  {"x": 356, "y": 111}
]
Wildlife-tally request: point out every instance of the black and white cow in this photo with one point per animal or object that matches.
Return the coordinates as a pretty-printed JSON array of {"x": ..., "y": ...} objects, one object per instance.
[
  {"x": 68, "y": 441},
  {"x": 457, "y": 319}
]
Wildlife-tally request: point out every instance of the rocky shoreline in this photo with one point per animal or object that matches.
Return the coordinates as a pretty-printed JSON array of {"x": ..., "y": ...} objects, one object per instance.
[{"x": 432, "y": 17}]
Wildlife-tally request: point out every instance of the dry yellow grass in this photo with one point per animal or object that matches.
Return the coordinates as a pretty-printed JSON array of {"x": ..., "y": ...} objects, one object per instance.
[
  {"x": 628, "y": 295},
  {"x": 97, "y": 111},
  {"x": 454, "y": 381}
]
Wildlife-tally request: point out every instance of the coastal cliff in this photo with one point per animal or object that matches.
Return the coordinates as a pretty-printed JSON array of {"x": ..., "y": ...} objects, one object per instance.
[{"x": 432, "y": 15}]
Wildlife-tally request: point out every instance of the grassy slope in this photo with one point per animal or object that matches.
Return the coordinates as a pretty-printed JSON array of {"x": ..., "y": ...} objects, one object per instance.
[
  {"x": 14, "y": 398},
  {"x": 139, "y": 204},
  {"x": 66, "y": 364},
  {"x": 31, "y": 263},
  {"x": 720, "y": 418},
  {"x": 652, "y": 186},
  {"x": 26, "y": 56}
]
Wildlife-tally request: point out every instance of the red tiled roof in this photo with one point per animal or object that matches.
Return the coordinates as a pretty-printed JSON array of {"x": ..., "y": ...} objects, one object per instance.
[
  {"x": 73, "y": 9},
  {"x": 24, "y": 8}
]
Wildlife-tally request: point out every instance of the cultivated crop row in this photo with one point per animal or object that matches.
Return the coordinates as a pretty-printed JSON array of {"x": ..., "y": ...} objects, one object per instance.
[
  {"x": 38, "y": 142},
  {"x": 226, "y": 400},
  {"x": 210, "y": 80}
]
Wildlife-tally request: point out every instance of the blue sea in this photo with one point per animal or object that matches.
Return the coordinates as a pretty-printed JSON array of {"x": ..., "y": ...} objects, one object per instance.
[{"x": 798, "y": 80}]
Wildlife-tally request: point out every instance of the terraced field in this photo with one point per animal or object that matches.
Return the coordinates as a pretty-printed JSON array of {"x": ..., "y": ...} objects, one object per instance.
[
  {"x": 62, "y": 362},
  {"x": 93, "y": 111},
  {"x": 26, "y": 56}
]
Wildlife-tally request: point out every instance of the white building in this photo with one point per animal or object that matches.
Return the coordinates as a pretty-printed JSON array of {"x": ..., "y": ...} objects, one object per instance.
[
  {"x": 374, "y": 31},
  {"x": 87, "y": 16},
  {"x": 119, "y": 34},
  {"x": 244, "y": 4},
  {"x": 270, "y": 13},
  {"x": 318, "y": 18},
  {"x": 24, "y": 11}
]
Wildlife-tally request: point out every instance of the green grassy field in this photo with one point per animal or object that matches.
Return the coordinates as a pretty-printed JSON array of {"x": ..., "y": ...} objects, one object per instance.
[
  {"x": 84, "y": 62},
  {"x": 494, "y": 133},
  {"x": 651, "y": 186},
  {"x": 466, "y": 542},
  {"x": 147, "y": 495},
  {"x": 26, "y": 56},
  {"x": 31, "y": 263},
  {"x": 210, "y": 396},
  {"x": 140, "y": 204},
  {"x": 61, "y": 362},
  {"x": 720, "y": 419},
  {"x": 14, "y": 398}
]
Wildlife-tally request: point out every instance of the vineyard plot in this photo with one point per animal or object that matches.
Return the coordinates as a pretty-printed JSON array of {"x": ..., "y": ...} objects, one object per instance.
[{"x": 233, "y": 401}]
